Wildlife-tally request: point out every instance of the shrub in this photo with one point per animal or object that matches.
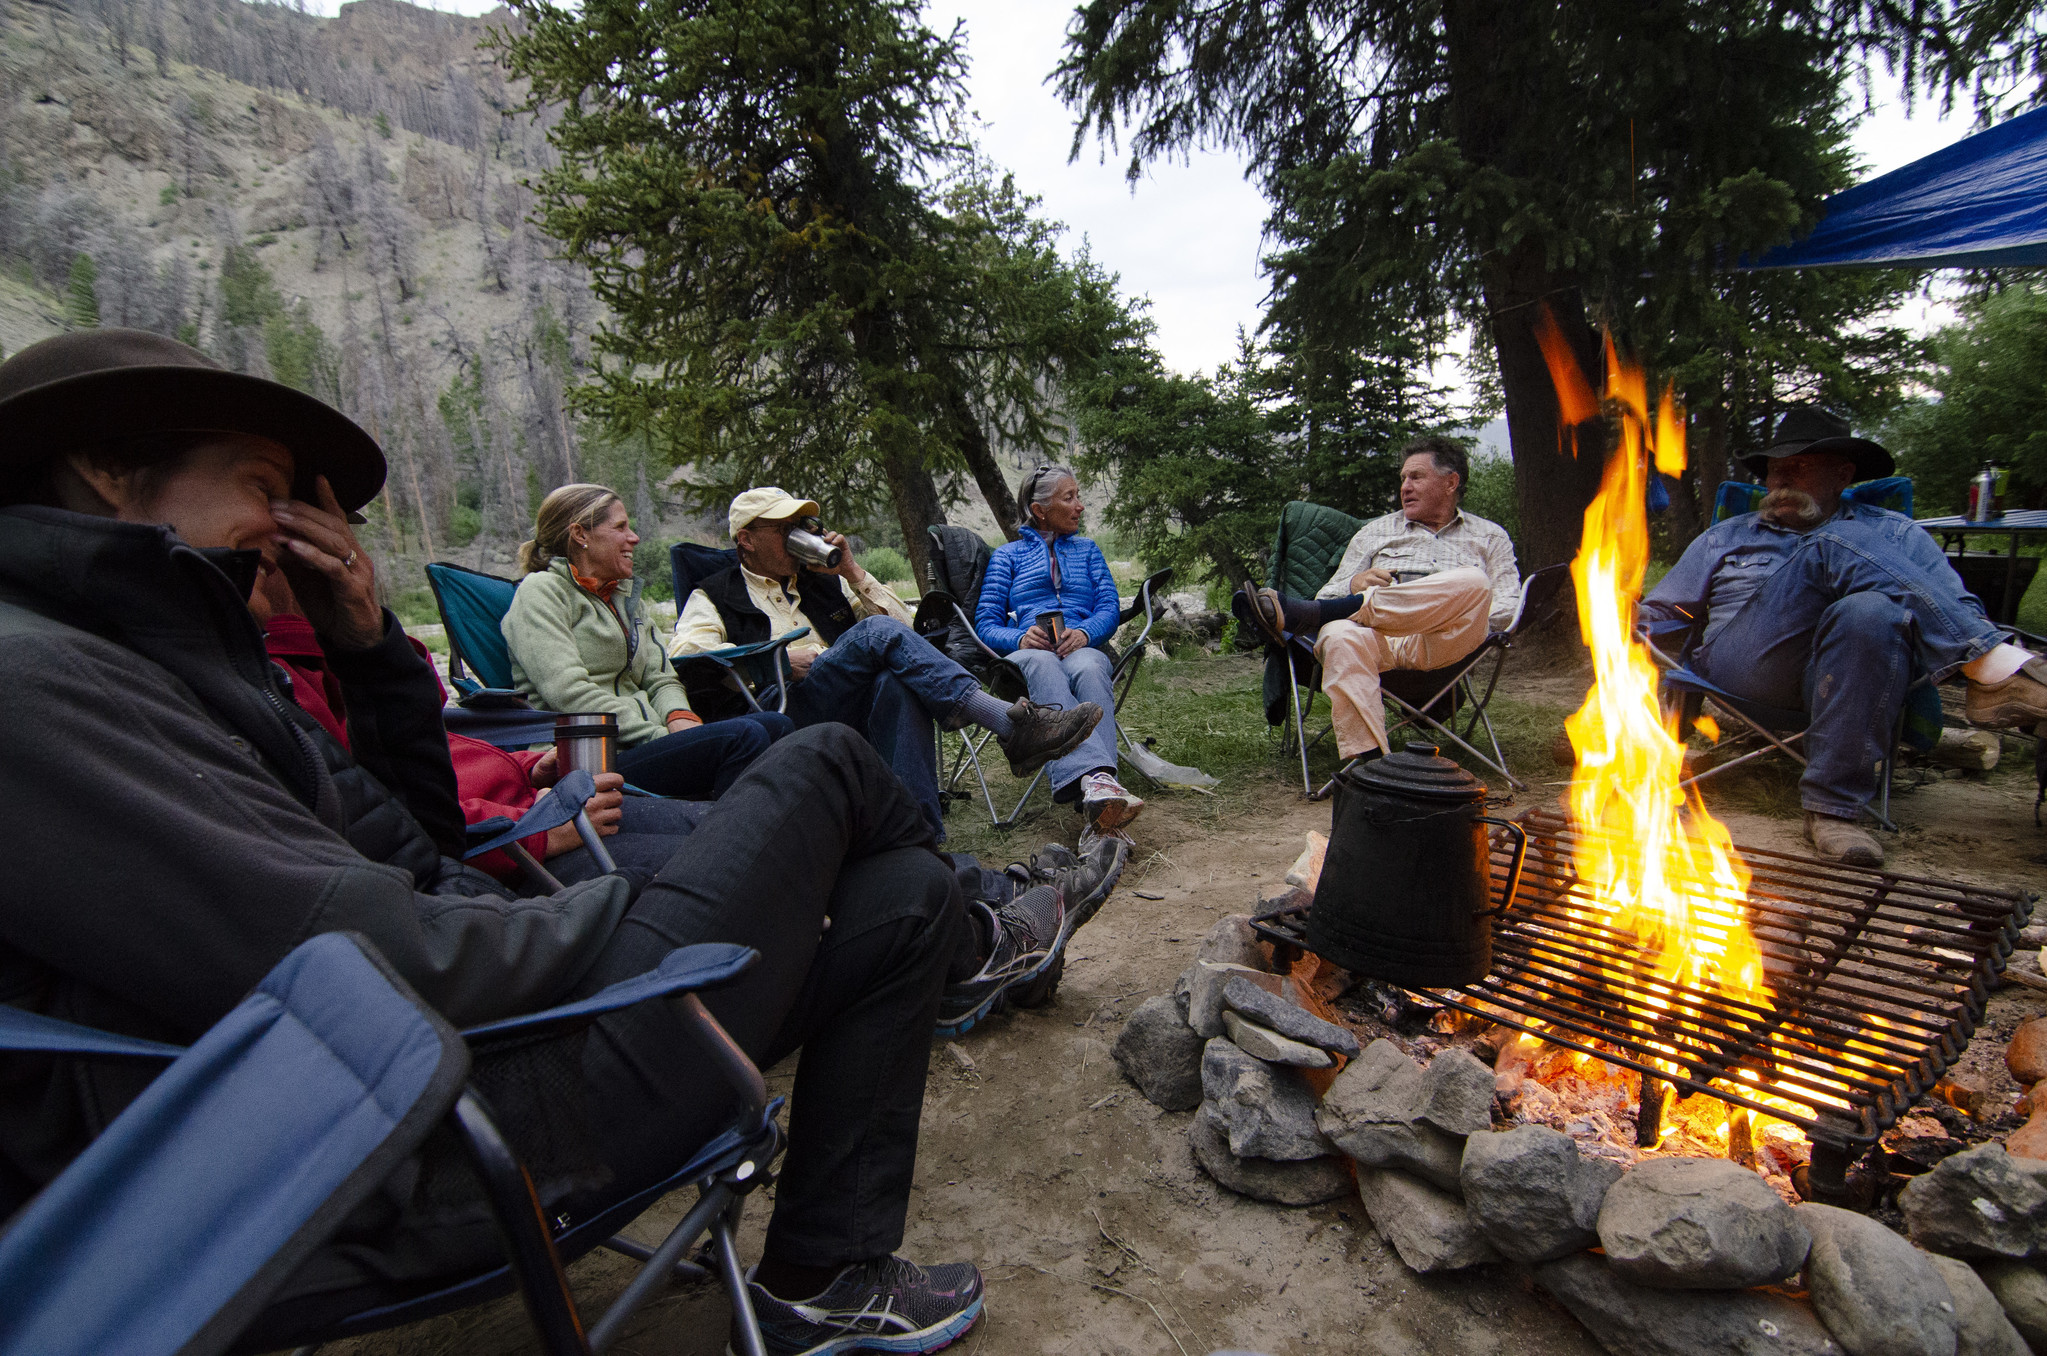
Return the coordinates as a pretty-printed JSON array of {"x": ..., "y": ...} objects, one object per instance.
[{"x": 887, "y": 564}]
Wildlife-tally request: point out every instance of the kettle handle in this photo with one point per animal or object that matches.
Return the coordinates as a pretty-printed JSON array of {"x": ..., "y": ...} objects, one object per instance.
[{"x": 1514, "y": 871}]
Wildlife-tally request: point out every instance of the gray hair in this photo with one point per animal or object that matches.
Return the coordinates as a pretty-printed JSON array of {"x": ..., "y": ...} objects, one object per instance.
[{"x": 1039, "y": 487}]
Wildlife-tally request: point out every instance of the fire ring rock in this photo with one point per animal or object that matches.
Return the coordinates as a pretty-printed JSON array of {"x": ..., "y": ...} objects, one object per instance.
[
  {"x": 1160, "y": 1053},
  {"x": 1646, "y": 1322},
  {"x": 1267, "y": 1111},
  {"x": 1981, "y": 1329},
  {"x": 1877, "y": 1294},
  {"x": 1530, "y": 1193},
  {"x": 1981, "y": 1202},
  {"x": 1307, "y": 1181},
  {"x": 1429, "y": 1228},
  {"x": 1240, "y": 995},
  {"x": 1699, "y": 1224},
  {"x": 2021, "y": 1292},
  {"x": 1386, "y": 1111}
]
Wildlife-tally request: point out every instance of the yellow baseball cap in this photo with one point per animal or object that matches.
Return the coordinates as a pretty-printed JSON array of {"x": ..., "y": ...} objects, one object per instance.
[{"x": 768, "y": 501}]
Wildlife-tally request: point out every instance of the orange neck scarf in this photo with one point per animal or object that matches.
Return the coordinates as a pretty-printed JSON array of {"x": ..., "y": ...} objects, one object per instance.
[{"x": 603, "y": 590}]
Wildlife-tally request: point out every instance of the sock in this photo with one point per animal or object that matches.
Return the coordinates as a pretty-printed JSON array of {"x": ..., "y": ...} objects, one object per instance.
[
  {"x": 1994, "y": 666},
  {"x": 988, "y": 713},
  {"x": 1339, "y": 609}
]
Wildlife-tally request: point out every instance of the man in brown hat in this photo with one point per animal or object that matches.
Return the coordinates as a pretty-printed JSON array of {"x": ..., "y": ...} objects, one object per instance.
[
  {"x": 1820, "y": 604},
  {"x": 181, "y": 825}
]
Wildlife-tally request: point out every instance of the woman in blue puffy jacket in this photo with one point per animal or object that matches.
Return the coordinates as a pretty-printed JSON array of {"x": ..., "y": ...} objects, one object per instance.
[{"x": 1049, "y": 603}]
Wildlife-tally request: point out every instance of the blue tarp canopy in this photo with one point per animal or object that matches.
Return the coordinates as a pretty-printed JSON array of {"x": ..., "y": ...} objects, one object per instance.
[{"x": 1979, "y": 203}]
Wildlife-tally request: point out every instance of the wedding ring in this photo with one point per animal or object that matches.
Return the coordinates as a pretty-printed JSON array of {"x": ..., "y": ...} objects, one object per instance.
[{"x": 349, "y": 564}]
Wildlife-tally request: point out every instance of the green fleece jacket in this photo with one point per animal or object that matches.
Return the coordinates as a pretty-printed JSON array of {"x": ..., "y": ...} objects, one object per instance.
[{"x": 573, "y": 652}]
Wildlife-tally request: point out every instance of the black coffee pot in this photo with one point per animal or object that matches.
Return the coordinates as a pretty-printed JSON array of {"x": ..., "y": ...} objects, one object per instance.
[{"x": 1404, "y": 894}]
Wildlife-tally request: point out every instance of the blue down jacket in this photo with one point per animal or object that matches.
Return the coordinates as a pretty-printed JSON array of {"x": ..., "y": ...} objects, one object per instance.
[{"x": 1019, "y": 582}]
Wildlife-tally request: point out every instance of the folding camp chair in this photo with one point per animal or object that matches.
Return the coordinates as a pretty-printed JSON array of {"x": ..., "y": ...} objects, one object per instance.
[
  {"x": 1306, "y": 549},
  {"x": 472, "y": 606},
  {"x": 175, "y": 1228},
  {"x": 562, "y": 803},
  {"x": 757, "y": 672},
  {"x": 945, "y": 617}
]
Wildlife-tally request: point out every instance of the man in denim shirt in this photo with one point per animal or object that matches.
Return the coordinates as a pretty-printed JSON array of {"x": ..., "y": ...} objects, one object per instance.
[{"x": 1835, "y": 608}]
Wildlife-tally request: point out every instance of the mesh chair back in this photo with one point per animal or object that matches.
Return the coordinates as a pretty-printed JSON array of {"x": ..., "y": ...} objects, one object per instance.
[
  {"x": 690, "y": 565},
  {"x": 472, "y": 605},
  {"x": 177, "y": 1225},
  {"x": 1891, "y": 492}
]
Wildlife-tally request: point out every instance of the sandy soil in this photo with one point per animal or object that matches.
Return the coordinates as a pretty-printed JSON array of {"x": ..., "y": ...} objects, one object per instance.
[{"x": 1081, "y": 1201}]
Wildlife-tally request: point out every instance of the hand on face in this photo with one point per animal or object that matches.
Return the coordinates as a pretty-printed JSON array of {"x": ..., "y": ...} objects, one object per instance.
[{"x": 328, "y": 571}]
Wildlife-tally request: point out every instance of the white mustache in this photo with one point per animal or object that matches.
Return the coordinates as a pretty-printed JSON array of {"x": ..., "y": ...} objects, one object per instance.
[{"x": 1790, "y": 508}]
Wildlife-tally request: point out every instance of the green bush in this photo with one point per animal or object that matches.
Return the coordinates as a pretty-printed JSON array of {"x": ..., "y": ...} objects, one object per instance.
[
  {"x": 415, "y": 607},
  {"x": 650, "y": 567},
  {"x": 887, "y": 564},
  {"x": 169, "y": 196},
  {"x": 463, "y": 525},
  {"x": 1491, "y": 495}
]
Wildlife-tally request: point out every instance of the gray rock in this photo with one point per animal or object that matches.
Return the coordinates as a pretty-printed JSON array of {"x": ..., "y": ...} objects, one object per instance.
[
  {"x": 1158, "y": 1052},
  {"x": 1307, "y": 1181},
  {"x": 1262, "y": 1042},
  {"x": 2021, "y": 1292},
  {"x": 1877, "y": 1294},
  {"x": 1459, "y": 1093},
  {"x": 1204, "y": 981},
  {"x": 1407, "y": 1146},
  {"x": 1981, "y": 1202},
  {"x": 1633, "y": 1320},
  {"x": 1288, "y": 1019},
  {"x": 1232, "y": 942},
  {"x": 1531, "y": 1194},
  {"x": 1268, "y": 1111},
  {"x": 1380, "y": 1085},
  {"x": 1428, "y": 1227},
  {"x": 1981, "y": 1329},
  {"x": 1699, "y": 1224}
]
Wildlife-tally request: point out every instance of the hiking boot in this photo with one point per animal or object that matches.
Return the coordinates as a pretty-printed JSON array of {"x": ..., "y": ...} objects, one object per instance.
[
  {"x": 1038, "y": 734},
  {"x": 1105, "y": 803},
  {"x": 1262, "y": 611},
  {"x": 2019, "y": 700},
  {"x": 1842, "y": 840},
  {"x": 1028, "y": 934},
  {"x": 885, "y": 1305},
  {"x": 1084, "y": 881}
]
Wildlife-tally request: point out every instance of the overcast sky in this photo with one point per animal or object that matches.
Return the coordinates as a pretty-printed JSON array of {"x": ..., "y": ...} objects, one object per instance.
[{"x": 1188, "y": 236}]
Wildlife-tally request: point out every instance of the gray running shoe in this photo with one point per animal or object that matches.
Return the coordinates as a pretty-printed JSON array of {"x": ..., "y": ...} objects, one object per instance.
[
  {"x": 1029, "y": 932},
  {"x": 885, "y": 1305}
]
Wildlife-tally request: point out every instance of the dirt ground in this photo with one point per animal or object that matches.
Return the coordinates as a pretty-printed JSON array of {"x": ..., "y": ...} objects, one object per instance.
[{"x": 1080, "y": 1201}]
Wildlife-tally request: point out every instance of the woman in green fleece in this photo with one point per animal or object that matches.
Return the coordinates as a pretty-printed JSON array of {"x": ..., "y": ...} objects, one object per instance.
[{"x": 580, "y": 641}]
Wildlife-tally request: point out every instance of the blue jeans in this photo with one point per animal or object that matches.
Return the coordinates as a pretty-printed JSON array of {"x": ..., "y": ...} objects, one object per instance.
[
  {"x": 887, "y": 682},
  {"x": 700, "y": 762},
  {"x": 1082, "y": 676},
  {"x": 1840, "y": 631}
]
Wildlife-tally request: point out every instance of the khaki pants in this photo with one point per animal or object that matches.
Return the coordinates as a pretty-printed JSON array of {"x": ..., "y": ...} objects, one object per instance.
[{"x": 1423, "y": 624}]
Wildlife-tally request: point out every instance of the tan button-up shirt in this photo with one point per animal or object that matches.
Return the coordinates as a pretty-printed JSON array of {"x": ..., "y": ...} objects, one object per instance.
[
  {"x": 1397, "y": 545},
  {"x": 700, "y": 628}
]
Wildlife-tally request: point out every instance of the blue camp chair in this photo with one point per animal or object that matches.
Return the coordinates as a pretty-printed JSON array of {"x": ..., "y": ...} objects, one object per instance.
[
  {"x": 562, "y": 803},
  {"x": 759, "y": 673},
  {"x": 472, "y": 606},
  {"x": 176, "y": 1227}
]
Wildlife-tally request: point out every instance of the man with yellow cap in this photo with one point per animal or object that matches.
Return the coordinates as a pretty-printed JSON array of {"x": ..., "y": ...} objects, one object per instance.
[{"x": 861, "y": 664}]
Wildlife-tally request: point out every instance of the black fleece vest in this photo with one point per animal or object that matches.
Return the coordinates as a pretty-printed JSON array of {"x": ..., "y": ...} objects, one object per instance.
[{"x": 822, "y": 598}]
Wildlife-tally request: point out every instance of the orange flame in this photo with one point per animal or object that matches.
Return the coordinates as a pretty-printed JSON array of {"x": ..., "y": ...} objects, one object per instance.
[{"x": 1652, "y": 858}]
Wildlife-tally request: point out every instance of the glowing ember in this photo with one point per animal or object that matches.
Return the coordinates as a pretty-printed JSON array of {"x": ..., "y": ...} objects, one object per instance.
[{"x": 1662, "y": 867}]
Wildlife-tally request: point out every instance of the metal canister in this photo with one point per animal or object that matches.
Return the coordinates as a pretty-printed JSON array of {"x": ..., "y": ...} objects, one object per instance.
[
  {"x": 1986, "y": 502},
  {"x": 586, "y": 741}
]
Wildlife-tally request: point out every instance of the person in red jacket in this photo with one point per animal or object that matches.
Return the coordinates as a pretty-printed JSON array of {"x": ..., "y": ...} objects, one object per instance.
[{"x": 491, "y": 782}]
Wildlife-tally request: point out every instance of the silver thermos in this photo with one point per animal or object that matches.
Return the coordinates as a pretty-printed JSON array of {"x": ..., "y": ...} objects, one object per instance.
[
  {"x": 586, "y": 741},
  {"x": 807, "y": 546}
]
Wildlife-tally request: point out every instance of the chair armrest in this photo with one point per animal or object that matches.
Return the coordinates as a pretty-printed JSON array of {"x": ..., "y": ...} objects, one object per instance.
[
  {"x": 562, "y": 803},
  {"x": 32, "y": 1033},
  {"x": 683, "y": 970},
  {"x": 1144, "y": 602},
  {"x": 726, "y": 654},
  {"x": 476, "y": 698},
  {"x": 506, "y": 728}
]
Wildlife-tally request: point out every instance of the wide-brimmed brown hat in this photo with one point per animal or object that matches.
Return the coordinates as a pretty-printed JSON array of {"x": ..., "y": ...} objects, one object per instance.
[
  {"x": 1808, "y": 428},
  {"x": 97, "y": 386}
]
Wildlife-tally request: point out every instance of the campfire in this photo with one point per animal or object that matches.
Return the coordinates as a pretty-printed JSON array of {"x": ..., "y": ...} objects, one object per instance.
[{"x": 1646, "y": 959}]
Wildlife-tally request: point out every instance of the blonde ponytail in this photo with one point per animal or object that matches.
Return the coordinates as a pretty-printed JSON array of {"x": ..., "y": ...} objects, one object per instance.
[{"x": 570, "y": 506}]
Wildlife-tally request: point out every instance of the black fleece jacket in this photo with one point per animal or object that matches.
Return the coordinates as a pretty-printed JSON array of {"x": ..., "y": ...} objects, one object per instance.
[{"x": 175, "y": 825}]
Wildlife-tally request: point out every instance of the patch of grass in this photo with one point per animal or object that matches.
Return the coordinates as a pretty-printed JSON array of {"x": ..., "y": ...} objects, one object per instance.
[{"x": 415, "y": 607}]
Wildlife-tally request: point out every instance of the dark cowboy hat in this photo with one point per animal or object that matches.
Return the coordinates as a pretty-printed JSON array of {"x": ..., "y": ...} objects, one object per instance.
[
  {"x": 99, "y": 386},
  {"x": 1808, "y": 428}
]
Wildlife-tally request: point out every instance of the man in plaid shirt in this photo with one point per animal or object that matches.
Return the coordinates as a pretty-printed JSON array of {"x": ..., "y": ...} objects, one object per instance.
[{"x": 1416, "y": 589}]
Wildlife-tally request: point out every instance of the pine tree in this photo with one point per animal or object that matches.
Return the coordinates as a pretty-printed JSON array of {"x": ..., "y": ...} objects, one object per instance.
[{"x": 81, "y": 295}]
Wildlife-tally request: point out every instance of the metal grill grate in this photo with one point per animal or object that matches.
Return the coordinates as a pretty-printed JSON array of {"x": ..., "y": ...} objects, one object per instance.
[{"x": 1879, "y": 980}]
